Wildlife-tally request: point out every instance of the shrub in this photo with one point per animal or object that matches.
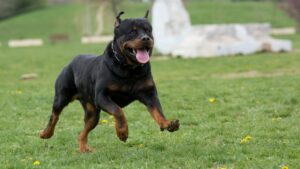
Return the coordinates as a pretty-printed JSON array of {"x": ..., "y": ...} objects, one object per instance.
[
  {"x": 13, "y": 7},
  {"x": 292, "y": 7}
]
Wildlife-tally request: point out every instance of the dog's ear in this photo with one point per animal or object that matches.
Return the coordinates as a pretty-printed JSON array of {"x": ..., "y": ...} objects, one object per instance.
[
  {"x": 118, "y": 19},
  {"x": 146, "y": 15}
]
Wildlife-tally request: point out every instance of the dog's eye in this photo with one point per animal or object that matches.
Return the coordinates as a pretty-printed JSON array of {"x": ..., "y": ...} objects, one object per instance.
[
  {"x": 132, "y": 31},
  {"x": 147, "y": 29}
]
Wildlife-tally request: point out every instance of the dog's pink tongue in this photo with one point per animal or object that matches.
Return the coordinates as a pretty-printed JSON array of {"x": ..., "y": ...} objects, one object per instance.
[{"x": 142, "y": 56}]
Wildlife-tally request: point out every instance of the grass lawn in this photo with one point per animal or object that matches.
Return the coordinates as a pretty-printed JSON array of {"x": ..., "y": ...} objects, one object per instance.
[
  {"x": 256, "y": 95},
  {"x": 219, "y": 102}
]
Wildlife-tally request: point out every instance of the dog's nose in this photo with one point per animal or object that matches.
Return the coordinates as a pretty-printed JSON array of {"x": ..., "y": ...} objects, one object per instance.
[{"x": 145, "y": 38}]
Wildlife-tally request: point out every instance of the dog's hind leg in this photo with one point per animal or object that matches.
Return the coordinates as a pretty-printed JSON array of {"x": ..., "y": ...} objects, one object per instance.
[
  {"x": 59, "y": 103},
  {"x": 91, "y": 119},
  {"x": 65, "y": 90}
]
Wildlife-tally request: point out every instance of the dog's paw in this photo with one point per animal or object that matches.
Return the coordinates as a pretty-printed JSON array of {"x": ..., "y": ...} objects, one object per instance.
[
  {"x": 85, "y": 149},
  {"x": 173, "y": 126},
  {"x": 122, "y": 134},
  {"x": 45, "y": 134}
]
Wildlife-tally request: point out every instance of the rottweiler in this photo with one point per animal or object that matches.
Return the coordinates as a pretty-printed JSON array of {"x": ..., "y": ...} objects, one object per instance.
[{"x": 111, "y": 81}]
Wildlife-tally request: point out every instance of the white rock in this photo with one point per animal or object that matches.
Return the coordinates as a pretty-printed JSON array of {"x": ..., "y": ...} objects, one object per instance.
[
  {"x": 95, "y": 39},
  {"x": 170, "y": 22},
  {"x": 283, "y": 31},
  {"x": 25, "y": 43},
  {"x": 174, "y": 34}
]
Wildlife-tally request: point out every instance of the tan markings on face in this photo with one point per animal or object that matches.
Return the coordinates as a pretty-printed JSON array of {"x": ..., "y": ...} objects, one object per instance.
[{"x": 136, "y": 44}]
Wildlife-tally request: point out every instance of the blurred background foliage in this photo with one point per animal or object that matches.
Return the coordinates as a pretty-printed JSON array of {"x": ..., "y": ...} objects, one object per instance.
[
  {"x": 76, "y": 18},
  {"x": 10, "y": 8}
]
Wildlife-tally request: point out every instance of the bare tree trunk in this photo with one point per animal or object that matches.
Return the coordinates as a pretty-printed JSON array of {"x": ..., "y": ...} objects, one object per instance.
[
  {"x": 100, "y": 17},
  {"x": 114, "y": 4},
  {"x": 88, "y": 22}
]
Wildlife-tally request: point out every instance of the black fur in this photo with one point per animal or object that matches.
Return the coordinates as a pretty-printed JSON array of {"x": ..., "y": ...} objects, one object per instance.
[{"x": 111, "y": 81}]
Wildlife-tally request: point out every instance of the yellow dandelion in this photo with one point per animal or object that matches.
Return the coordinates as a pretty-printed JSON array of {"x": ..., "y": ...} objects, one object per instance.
[
  {"x": 36, "y": 162},
  {"x": 141, "y": 146},
  {"x": 246, "y": 139},
  {"x": 285, "y": 167},
  {"x": 212, "y": 100},
  {"x": 276, "y": 118},
  {"x": 18, "y": 92},
  {"x": 103, "y": 121}
]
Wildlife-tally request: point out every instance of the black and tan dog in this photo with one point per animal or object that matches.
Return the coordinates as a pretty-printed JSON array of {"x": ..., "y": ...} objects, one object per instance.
[{"x": 121, "y": 76}]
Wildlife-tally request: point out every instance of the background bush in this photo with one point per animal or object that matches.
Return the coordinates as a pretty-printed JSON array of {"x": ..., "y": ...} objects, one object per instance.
[{"x": 14, "y": 7}]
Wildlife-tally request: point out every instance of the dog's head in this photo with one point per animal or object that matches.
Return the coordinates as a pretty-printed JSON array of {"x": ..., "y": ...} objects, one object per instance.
[{"x": 134, "y": 39}]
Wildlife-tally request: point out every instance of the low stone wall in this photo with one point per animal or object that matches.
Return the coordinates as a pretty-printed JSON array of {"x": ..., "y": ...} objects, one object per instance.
[
  {"x": 25, "y": 43},
  {"x": 174, "y": 35}
]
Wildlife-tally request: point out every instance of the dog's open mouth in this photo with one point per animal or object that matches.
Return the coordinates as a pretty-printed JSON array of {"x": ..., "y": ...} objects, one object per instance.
[{"x": 141, "y": 55}]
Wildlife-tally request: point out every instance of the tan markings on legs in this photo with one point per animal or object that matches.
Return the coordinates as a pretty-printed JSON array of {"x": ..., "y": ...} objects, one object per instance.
[
  {"x": 121, "y": 125},
  {"x": 149, "y": 83},
  {"x": 159, "y": 118},
  {"x": 83, "y": 139},
  {"x": 48, "y": 132},
  {"x": 76, "y": 96},
  {"x": 90, "y": 107},
  {"x": 162, "y": 122},
  {"x": 91, "y": 120}
]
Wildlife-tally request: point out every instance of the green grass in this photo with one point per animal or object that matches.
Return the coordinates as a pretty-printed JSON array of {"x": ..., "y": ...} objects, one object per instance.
[
  {"x": 243, "y": 12},
  {"x": 70, "y": 18},
  {"x": 264, "y": 105},
  {"x": 43, "y": 23}
]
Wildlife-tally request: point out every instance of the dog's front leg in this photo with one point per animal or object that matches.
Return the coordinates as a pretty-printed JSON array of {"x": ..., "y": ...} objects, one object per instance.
[
  {"x": 149, "y": 98},
  {"x": 105, "y": 103}
]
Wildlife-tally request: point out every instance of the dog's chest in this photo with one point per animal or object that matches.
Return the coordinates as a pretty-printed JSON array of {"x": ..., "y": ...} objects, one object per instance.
[{"x": 125, "y": 93}]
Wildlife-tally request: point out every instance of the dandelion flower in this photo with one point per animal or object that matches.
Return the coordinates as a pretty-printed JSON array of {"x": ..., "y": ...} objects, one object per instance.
[
  {"x": 276, "y": 118},
  {"x": 103, "y": 121},
  {"x": 19, "y": 92},
  {"x": 36, "y": 162},
  {"x": 285, "y": 167},
  {"x": 246, "y": 139},
  {"x": 141, "y": 146},
  {"x": 212, "y": 100}
]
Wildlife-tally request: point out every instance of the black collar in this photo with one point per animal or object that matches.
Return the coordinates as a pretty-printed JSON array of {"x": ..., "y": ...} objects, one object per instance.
[{"x": 114, "y": 52}]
